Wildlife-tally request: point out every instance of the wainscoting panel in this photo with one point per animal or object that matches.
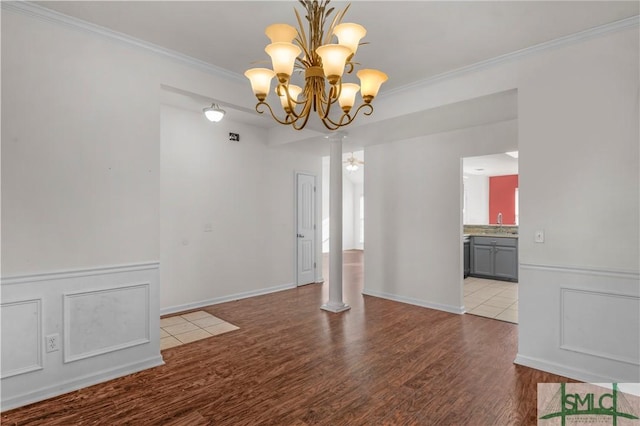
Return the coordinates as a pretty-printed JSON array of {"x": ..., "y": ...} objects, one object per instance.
[
  {"x": 603, "y": 335},
  {"x": 580, "y": 323},
  {"x": 97, "y": 322},
  {"x": 21, "y": 337},
  {"x": 106, "y": 320}
]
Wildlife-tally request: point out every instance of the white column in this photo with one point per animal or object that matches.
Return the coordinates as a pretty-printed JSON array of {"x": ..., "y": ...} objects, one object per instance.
[{"x": 335, "y": 303}]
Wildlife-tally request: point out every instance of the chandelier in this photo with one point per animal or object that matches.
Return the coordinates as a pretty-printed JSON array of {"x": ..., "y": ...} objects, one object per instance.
[{"x": 323, "y": 64}]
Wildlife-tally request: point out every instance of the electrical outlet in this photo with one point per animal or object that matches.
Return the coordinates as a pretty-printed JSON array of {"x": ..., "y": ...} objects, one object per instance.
[
  {"x": 52, "y": 342},
  {"x": 539, "y": 237}
]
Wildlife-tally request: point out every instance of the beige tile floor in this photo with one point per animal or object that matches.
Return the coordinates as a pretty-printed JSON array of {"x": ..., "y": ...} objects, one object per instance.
[
  {"x": 491, "y": 298},
  {"x": 187, "y": 328}
]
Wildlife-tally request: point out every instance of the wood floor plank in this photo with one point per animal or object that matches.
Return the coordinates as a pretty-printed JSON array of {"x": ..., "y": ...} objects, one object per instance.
[{"x": 290, "y": 363}]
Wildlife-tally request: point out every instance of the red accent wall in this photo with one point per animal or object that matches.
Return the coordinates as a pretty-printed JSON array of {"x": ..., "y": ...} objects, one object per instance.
[{"x": 502, "y": 199}]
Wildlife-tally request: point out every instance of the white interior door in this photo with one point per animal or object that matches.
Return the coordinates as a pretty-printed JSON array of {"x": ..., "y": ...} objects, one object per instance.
[{"x": 306, "y": 228}]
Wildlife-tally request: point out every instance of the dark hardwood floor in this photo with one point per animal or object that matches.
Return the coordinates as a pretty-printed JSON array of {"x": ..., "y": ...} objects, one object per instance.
[{"x": 290, "y": 363}]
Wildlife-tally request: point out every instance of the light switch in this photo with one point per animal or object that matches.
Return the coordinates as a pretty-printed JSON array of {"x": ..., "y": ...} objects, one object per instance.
[{"x": 539, "y": 237}]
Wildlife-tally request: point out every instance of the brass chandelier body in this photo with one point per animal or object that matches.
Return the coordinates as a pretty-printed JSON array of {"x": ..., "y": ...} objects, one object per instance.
[{"x": 323, "y": 65}]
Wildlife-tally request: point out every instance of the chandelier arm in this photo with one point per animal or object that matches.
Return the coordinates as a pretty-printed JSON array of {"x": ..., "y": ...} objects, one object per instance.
[
  {"x": 365, "y": 105},
  {"x": 349, "y": 117},
  {"x": 304, "y": 115},
  {"x": 285, "y": 122},
  {"x": 293, "y": 112},
  {"x": 335, "y": 125},
  {"x": 341, "y": 122},
  {"x": 291, "y": 103},
  {"x": 339, "y": 90},
  {"x": 322, "y": 112},
  {"x": 318, "y": 89},
  {"x": 350, "y": 65},
  {"x": 334, "y": 95},
  {"x": 329, "y": 124}
]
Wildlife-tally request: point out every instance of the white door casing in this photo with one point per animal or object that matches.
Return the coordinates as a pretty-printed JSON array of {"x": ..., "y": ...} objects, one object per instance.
[{"x": 305, "y": 228}]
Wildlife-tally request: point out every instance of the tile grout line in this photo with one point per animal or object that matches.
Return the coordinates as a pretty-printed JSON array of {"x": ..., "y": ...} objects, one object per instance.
[
  {"x": 473, "y": 288},
  {"x": 175, "y": 336}
]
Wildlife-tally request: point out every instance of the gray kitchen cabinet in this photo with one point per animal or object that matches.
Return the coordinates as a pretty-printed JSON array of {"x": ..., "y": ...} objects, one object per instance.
[
  {"x": 495, "y": 258},
  {"x": 482, "y": 260},
  {"x": 506, "y": 262}
]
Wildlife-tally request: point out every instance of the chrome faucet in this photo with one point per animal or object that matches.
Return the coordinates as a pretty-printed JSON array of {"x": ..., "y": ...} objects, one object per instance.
[{"x": 500, "y": 222}]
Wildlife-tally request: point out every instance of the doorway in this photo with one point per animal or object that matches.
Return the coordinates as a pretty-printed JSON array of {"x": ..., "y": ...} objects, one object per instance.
[
  {"x": 490, "y": 236},
  {"x": 352, "y": 202}
]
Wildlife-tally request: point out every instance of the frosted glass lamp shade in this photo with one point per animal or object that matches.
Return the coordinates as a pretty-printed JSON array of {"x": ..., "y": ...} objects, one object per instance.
[
  {"x": 348, "y": 96},
  {"x": 370, "y": 82},
  {"x": 214, "y": 113},
  {"x": 260, "y": 79},
  {"x": 283, "y": 57},
  {"x": 349, "y": 35},
  {"x": 281, "y": 33},
  {"x": 334, "y": 57},
  {"x": 294, "y": 91},
  {"x": 351, "y": 167}
]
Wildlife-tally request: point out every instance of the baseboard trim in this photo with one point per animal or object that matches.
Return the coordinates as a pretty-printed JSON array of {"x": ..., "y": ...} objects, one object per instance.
[
  {"x": 563, "y": 370},
  {"x": 417, "y": 302},
  {"x": 216, "y": 300},
  {"x": 79, "y": 383}
]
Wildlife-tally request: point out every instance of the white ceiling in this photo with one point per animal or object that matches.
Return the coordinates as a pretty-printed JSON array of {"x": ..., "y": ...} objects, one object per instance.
[
  {"x": 490, "y": 165},
  {"x": 410, "y": 40}
]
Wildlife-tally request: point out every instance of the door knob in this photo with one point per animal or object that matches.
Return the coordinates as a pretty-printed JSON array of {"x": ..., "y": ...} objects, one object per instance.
[{"x": 300, "y": 236}]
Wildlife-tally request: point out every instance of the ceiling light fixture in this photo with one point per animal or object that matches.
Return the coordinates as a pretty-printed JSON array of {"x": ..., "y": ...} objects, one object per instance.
[
  {"x": 322, "y": 62},
  {"x": 352, "y": 164},
  {"x": 214, "y": 113}
]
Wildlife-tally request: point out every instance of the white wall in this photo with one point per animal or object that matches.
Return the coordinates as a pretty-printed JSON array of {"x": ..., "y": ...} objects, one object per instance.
[
  {"x": 477, "y": 200},
  {"x": 579, "y": 177},
  {"x": 579, "y": 172},
  {"x": 80, "y": 208},
  {"x": 81, "y": 204},
  {"x": 413, "y": 214},
  {"x": 243, "y": 191},
  {"x": 80, "y": 152},
  {"x": 80, "y": 183}
]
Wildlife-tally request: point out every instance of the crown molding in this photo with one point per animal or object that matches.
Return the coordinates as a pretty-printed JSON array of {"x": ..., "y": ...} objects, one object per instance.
[
  {"x": 40, "y": 12},
  {"x": 49, "y": 15},
  {"x": 590, "y": 33}
]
